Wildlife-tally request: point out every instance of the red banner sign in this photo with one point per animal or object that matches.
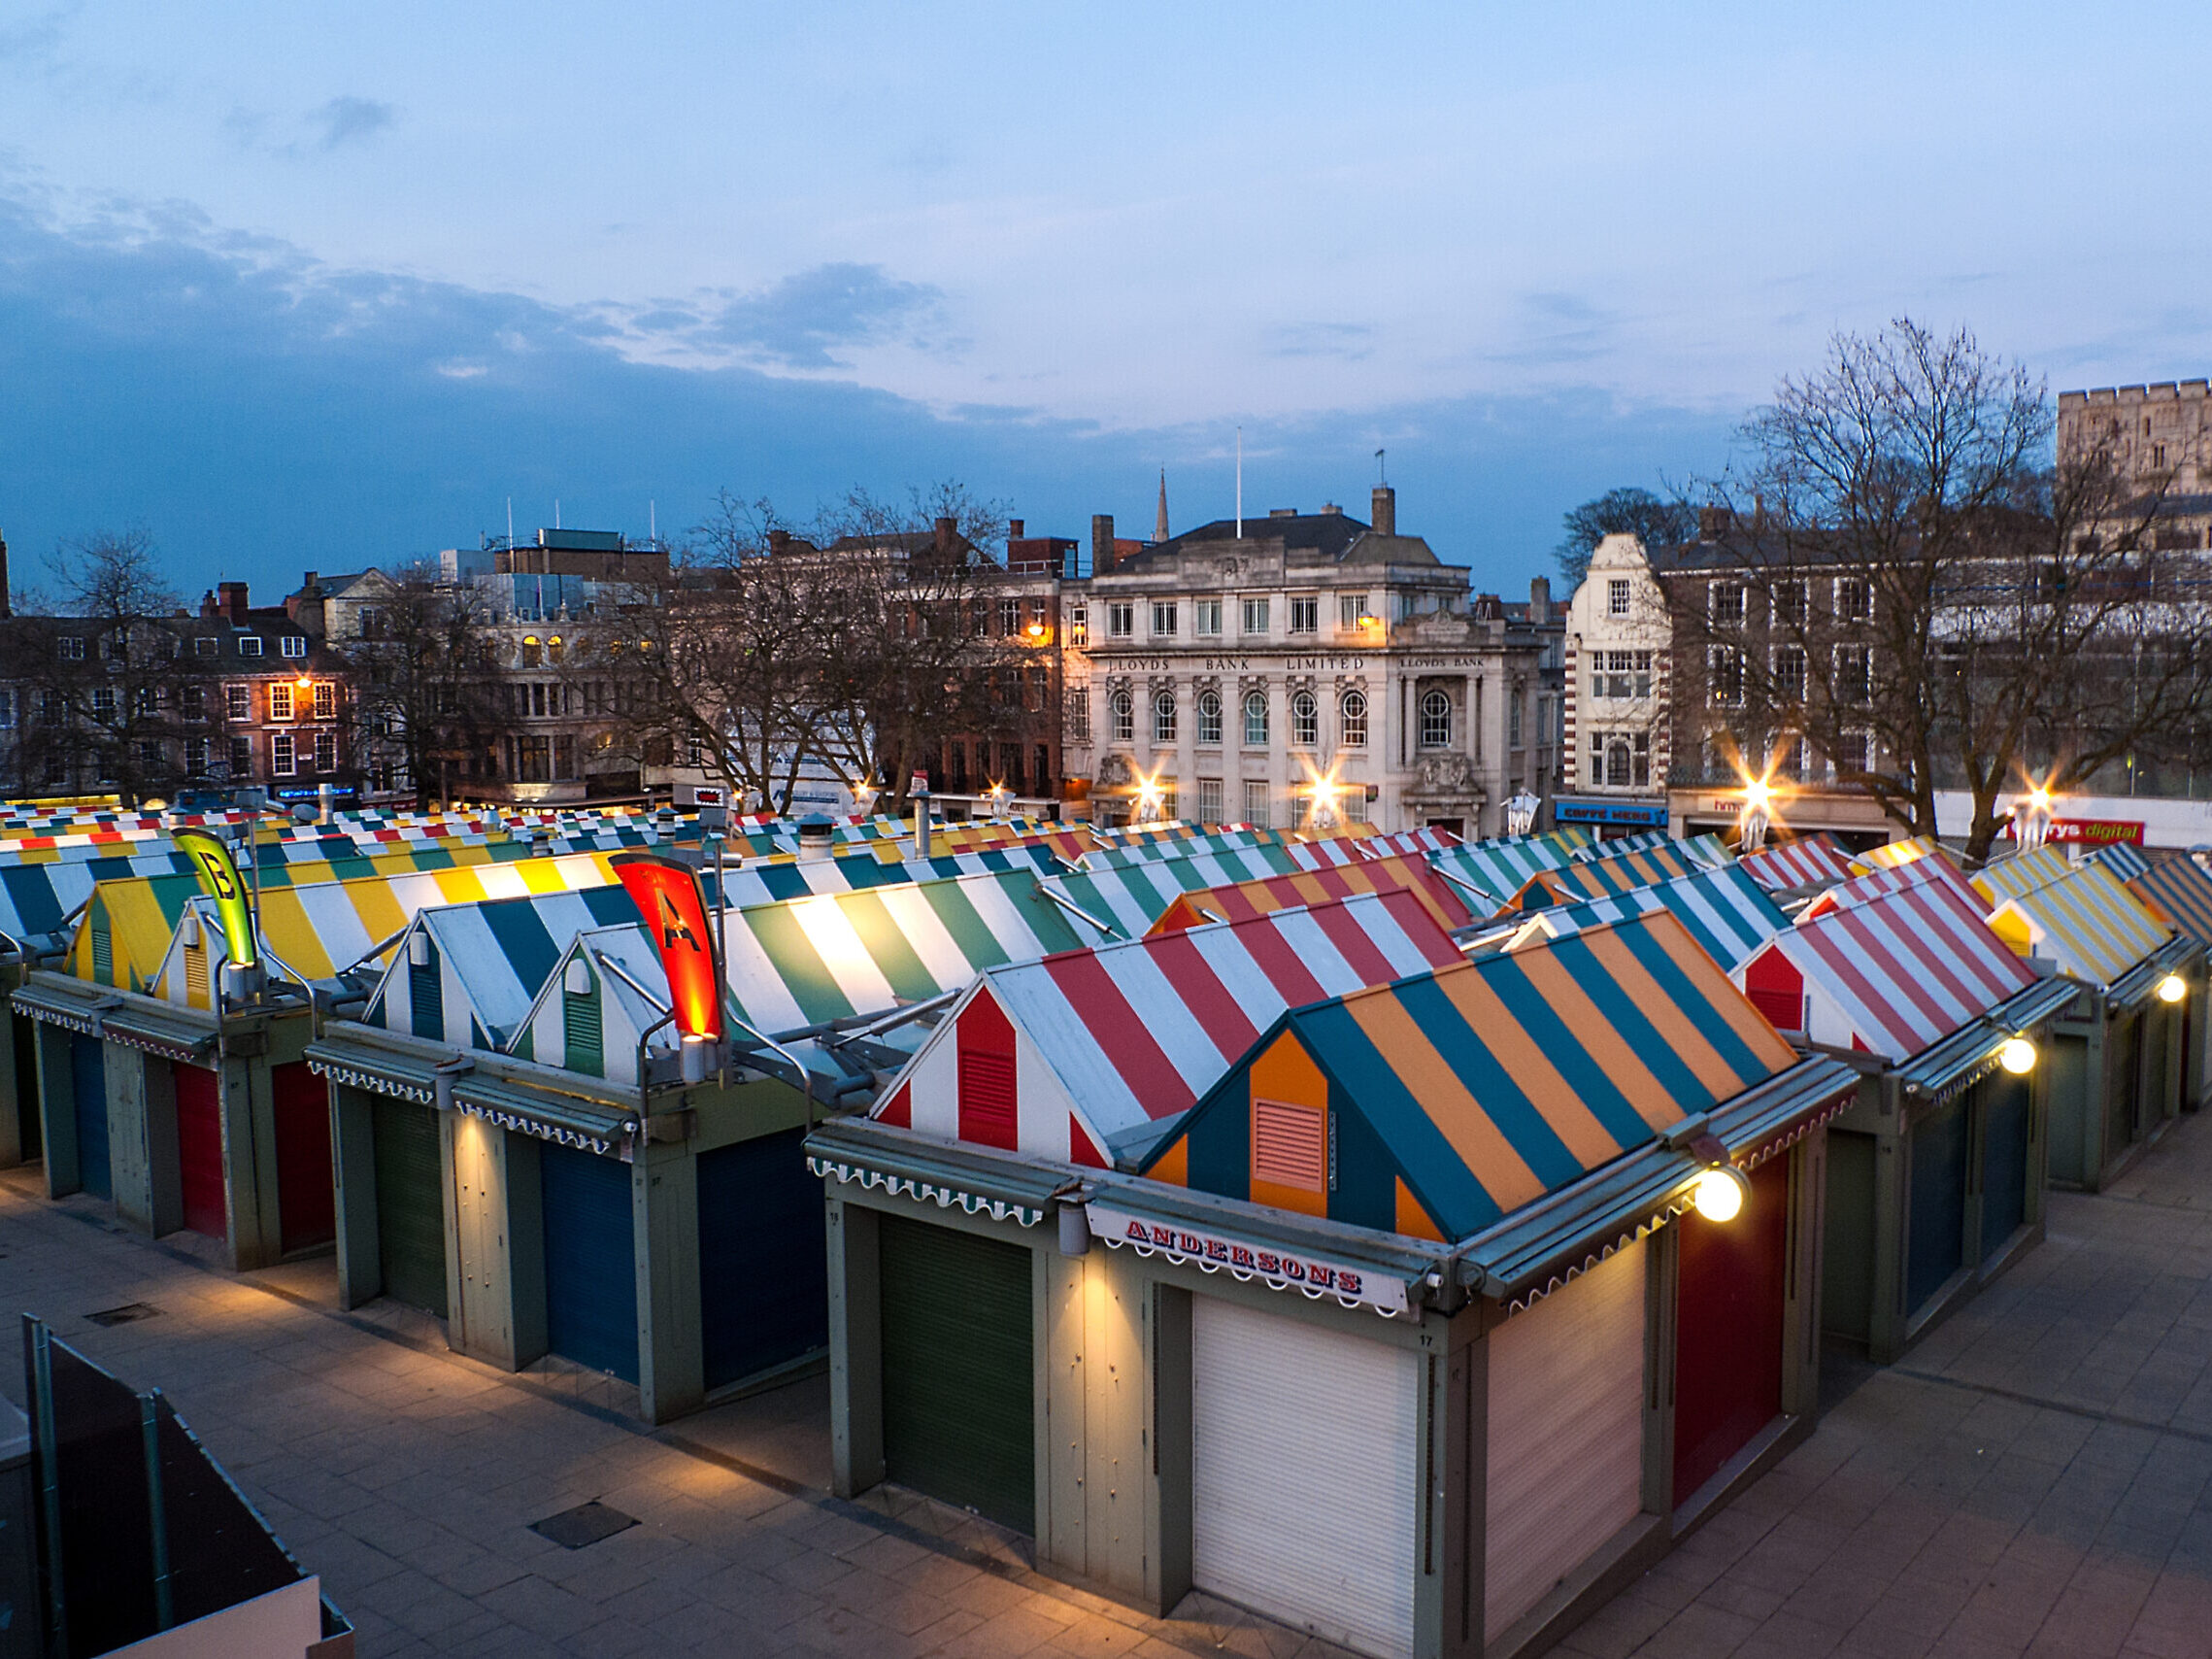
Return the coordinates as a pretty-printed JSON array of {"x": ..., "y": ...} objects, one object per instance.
[
  {"x": 668, "y": 897},
  {"x": 2094, "y": 831}
]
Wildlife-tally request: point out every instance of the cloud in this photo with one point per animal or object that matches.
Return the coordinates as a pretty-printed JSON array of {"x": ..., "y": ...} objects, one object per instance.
[
  {"x": 259, "y": 410},
  {"x": 349, "y": 120},
  {"x": 1349, "y": 341},
  {"x": 1549, "y": 329},
  {"x": 803, "y": 319}
]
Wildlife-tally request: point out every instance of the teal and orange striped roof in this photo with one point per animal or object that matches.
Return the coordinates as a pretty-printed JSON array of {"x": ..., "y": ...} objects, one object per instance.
[{"x": 1493, "y": 1082}]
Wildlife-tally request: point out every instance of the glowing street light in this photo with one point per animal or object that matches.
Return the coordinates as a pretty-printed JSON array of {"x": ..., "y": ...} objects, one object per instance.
[
  {"x": 1720, "y": 1192},
  {"x": 999, "y": 796},
  {"x": 1520, "y": 813},
  {"x": 864, "y": 794},
  {"x": 1151, "y": 799},
  {"x": 2031, "y": 816},
  {"x": 2017, "y": 1056},
  {"x": 1756, "y": 814}
]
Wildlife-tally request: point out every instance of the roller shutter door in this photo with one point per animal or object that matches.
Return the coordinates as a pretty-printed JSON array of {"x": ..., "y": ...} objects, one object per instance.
[
  {"x": 199, "y": 1149},
  {"x": 763, "y": 1273},
  {"x": 591, "y": 1287},
  {"x": 959, "y": 1378},
  {"x": 411, "y": 1204},
  {"x": 1565, "y": 1435},
  {"x": 307, "y": 1211},
  {"x": 2004, "y": 1161},
  {"x": 2123, "y": 1067},
  {"x": 88, "y": 1099},
  {"x": 27, "y": 1123},
  {"x": 1936, "y": 1241},
  {"x": 1304, "y": 1479},
  {"x": 1733, "y": 1283}
]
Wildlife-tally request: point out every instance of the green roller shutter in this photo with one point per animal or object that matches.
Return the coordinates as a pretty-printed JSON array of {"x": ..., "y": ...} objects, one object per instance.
[
  {"x": 89, "y": 1096},
  {"x": 959, "y": 1384},
  {"x": 411, "y": 1204}
]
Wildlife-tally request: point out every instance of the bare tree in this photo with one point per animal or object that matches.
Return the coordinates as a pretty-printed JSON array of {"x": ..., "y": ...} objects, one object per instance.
[
  {"x": 1653, "y": 519},
  {"x": 1901, "y": 576},
  {"x": 104, "y": 678}
]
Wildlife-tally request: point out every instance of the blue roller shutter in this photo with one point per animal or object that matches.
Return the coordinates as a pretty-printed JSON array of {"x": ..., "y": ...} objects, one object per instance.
[
  {"x": 1936, "y": 1231},
  {"x": 88, "y": 1089},
  {"x": 591, "y": 1296},
  {"x": 764, "y": 1273}
]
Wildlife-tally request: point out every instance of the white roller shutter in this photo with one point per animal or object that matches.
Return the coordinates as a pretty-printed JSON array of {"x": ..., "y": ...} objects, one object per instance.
[
  {"x": 1304, "y": 1482},
  {"x": 1566, "y": 1434}
]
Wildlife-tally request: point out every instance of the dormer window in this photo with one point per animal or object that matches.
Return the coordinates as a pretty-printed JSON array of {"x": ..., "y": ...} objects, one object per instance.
[
  {"x": 249, "y": 645},
  {"x": 293, "y": 645}
]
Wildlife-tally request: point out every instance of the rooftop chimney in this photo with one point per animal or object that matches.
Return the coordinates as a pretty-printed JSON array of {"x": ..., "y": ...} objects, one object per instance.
[
  {"x": 1713, "y": 523},
  {"x": 1014, "y": 529},
  {"x": 1281, "y": 512},
  {"x": 1539, "y": 599},
  {"x": 1330, "y": 510},
  {"x": 207, "y": 604},
  {"x": 1101, "y": 543},
  {"x": 945, "y": 529},
  {"x": 779, "y": 541},
  {"x": 230, "y": 600},
  {"x": 1384, "y": 516}
]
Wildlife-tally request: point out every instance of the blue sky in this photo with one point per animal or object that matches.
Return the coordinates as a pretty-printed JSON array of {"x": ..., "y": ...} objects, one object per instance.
[{"x": 309, "y": 285}]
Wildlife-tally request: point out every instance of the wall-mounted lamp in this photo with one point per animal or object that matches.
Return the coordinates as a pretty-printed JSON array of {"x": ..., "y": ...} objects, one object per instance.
[
  {"x": 2017, "y": 1056},
  {"x": 1720, "y": 1192},
  {"x": 2172, "y": 988}
]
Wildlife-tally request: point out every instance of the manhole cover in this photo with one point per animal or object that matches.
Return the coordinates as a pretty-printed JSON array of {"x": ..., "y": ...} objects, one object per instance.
[
  {"x": 130, "y": 1313},
  {"x": 585, "y": 1524}
]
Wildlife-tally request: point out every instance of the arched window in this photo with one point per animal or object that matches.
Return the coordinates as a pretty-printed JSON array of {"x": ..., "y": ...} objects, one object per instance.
[
  {"x": 1209, "y": 717},
  {"x": 1305, "y": 720},
  {"x": 1256, "y": 719},
  {"x": 1436, "y": 721},
  {"x": 1163, "y": 717},
  {"x": 1121, "y": 714},
  {"x": 1355, "y": 712}
]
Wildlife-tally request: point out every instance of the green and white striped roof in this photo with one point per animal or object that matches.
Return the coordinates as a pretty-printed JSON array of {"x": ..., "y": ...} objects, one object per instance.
[{"x": 1131, "y": 898}]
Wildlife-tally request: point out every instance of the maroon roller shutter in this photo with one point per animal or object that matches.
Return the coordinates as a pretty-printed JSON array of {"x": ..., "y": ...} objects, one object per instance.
[
  {"x": 1734, "y": 1281},
  {"x": 306, "y": 1208},
  {"x": 199, "y": 1148}
]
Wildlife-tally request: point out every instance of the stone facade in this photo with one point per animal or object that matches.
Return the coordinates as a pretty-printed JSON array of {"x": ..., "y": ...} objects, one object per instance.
[{"x": 2162, "y": 431}]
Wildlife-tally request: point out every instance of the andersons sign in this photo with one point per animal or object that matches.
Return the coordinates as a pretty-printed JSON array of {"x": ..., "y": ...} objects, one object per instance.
[{"x": 1216, "y": 1252}]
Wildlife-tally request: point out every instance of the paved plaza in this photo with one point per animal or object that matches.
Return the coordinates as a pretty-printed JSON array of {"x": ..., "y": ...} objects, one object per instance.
[{"x": 2035, "y": 1478}]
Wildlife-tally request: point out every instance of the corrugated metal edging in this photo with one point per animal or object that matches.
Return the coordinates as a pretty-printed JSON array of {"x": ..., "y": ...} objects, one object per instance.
[
  {"x": 1970, "y": 1053},
  {"x": 1546, "y": 1244},
  {"x": 600, "y": 1126},
  {"x": 58, "y": 1000},
  {"x": 155, "y": 1027},
  {"x": 2141, "y": 982},
  {"x": 1005, "y": 1186},
  {"x": 360, "y": 1056}
]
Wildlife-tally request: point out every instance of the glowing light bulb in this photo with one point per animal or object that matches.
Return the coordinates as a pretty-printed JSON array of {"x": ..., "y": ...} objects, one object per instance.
[
  {"x": 1720, "y": 1192},
  {"x": 2172, "y": 988},
  {"x": 2017, "y": 1056}
]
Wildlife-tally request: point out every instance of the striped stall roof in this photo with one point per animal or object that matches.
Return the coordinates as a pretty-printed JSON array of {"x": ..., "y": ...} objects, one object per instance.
[
  {"x": 2022, "y": 872},
  {"x": 1497, "y": 870},
  {"x": 2123, "y": 859},
  {"x": 1131, "y": 898},
  {"x": 1890, "y": 854},
  {"x": 1327, "y": 851},
  {"x": 1724, "y": 910},
  {"x": 805, "y": 961},
  {"x": 488, "y": 961},
  {"x": 1603, "y": 879},
  {"x": 1810, "y": 860},
  {"x": 1938, "y": 871},
  {"x": 316, "y": 929},
  {"x": 2085, "y": 921},
  {"x": 1429, "y": 839},
  {"x": 1489, "y": 1084},
  {"x": 1186, "y": 847},
  {"x": 1086, "y": 1055},
  {"x": 2179, "y": 891},
  {"x": 1411, "y": 874},
  {"x": 1888, "y": 976}
]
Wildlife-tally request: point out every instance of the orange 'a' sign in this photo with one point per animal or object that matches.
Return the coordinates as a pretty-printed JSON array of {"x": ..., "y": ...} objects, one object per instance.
[{"x": 670, "y": 898}]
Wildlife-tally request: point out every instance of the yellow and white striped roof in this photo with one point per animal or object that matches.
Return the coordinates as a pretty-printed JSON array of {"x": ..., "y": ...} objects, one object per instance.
[{"x": 2085, "y": 920}]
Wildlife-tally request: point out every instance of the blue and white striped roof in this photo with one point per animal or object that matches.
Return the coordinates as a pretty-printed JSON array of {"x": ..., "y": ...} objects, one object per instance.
[{"x": 1724, "y": 910}]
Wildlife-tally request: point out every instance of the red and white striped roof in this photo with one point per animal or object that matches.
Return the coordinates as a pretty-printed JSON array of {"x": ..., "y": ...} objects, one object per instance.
[
  {"x": 1890, "y": 976},
  {"x": 1935, "y": 871},
  {"x": 1086, "y": 1055},
  {"x": 1815, "y": 860}
]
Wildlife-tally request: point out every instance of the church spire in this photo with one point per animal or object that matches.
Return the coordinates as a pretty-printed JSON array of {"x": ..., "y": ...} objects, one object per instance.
[{"x": 1159, "y": 520}]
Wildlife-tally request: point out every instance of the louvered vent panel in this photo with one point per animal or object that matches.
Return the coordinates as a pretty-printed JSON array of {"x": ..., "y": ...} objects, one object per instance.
[{"x": 1290, "y": 1146}]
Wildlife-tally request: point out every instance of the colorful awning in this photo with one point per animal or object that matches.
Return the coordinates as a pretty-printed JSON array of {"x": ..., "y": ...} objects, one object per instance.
[
  {"x": 1605, "y": 878},
  {"x": 1463, "y": 1096},
  {"x": 1890, "y": 854},
  {"x": 2085, "y": 921},
  {"x": 1811, "y": 861},
  {"x": 1404, "y": 872},
  {"x": 2178, "y": 891},
  {"x": 2016, "y": 873},
  {"x": 1085, "y": 1056},
  {"x": 1131, "y": 898},
  {"x": 1497, "y": 870},
  {"x": 1938, "y": 871},
  {"x": 1889, "y": 975},
  {"x": 2123, "y": 859},
  {"x": 1724, "y": 910}
]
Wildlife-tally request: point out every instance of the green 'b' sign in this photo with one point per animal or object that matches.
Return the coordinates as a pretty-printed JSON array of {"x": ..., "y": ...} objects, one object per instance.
[{"x": 219, "y": 876}]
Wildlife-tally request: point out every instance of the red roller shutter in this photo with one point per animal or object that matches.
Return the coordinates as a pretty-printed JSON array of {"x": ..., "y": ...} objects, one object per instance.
[
  {"x": 1727, "y": 1370},
  {"x": 199, "y": 1148},
  {"x": 306, "y": 1206}
]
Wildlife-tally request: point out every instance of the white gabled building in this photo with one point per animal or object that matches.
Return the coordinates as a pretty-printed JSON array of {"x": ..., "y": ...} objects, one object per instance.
[{"x": 1619, "y": 694}]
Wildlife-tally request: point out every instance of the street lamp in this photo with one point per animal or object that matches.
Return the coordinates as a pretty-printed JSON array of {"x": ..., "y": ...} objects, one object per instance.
[
  {"x": 1323, "y": 814},
  {"x": 864, "y": 794},
  {"x": 1520, "y": 813},
  {"x": 2031, "y": 816},
  {"x": 999, "y": 796},
  {"x": 1757, "y": 812},
  {"x": 1150, "y": 799}
]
